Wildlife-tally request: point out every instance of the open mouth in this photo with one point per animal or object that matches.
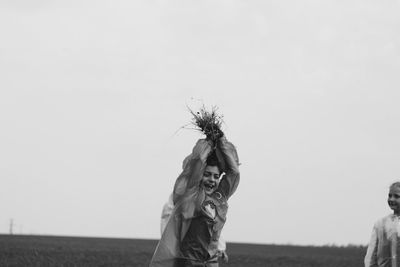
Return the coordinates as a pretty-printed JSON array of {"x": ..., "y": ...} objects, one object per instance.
[{"x": 209, "y": 186}]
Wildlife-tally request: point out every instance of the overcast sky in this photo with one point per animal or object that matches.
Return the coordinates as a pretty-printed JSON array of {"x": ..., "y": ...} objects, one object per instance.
[{"x": 93, "y": 94}]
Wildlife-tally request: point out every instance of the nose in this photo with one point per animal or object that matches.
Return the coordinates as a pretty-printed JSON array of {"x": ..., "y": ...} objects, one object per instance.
[{"x": 212, "y": 179}]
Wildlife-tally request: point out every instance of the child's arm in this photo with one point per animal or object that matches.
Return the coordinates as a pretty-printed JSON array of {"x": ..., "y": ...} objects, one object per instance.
[
  {"x": 188, "y": 181},
  {"x": 370, "y": 259},
  {"x": 230, "y": 158}
]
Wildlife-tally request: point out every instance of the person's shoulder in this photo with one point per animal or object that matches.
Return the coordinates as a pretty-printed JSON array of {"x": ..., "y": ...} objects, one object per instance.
[
  {"x": 220, "y": 196},
  {"x": 384, "y": 219}
]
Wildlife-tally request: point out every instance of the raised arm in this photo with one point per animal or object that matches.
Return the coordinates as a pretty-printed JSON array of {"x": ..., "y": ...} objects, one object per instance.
[
  {"x": 187, "y": 184},
  {"x": 228, "y": 156}
]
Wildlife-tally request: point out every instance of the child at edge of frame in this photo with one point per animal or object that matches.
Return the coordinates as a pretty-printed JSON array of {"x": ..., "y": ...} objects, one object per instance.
[{"x": 384, "y": 245}]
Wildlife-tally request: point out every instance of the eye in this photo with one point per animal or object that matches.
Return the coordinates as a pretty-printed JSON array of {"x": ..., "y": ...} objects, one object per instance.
[{"x": 207, "y": 174}]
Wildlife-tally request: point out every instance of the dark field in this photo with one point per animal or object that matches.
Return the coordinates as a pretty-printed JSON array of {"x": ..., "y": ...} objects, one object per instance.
[{"x": 21, "y": 250}]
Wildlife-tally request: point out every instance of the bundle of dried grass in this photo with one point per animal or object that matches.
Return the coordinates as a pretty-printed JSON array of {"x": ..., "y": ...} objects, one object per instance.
[{"x": 208, "y": 122}]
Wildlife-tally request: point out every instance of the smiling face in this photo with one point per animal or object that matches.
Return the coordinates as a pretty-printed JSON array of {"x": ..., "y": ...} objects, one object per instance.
[
  {"x": 394, "y": 198},
  {"x": 210, "y": 180}
]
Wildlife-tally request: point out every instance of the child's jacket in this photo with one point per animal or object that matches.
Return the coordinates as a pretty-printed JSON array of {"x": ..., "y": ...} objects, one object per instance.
[
  {"x": 190, "y": 200},
  {"x": 384, "y": 247}
]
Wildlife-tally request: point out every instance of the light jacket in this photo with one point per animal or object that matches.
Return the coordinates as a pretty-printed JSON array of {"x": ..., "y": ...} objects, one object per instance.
[
  {"x": 188, "y": 196},
  {"x": 383, "y": 248}
]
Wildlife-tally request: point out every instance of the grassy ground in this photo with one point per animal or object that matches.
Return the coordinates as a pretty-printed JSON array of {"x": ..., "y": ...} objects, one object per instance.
[{"x": 43, "y": 251}]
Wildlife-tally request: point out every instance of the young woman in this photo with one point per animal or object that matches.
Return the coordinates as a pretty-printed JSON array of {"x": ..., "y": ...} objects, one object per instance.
[
  {"x": 383, "y": 249},
  {"x": 209, "y": 177}
]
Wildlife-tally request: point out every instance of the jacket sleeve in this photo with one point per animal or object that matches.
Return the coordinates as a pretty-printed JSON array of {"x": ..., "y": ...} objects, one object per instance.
[
  {"x": 166, "y": 213},
  {"x": 186, "y": 188},
  {"x": 228, "y": 156},
  {"x": 370, "y": 259}
]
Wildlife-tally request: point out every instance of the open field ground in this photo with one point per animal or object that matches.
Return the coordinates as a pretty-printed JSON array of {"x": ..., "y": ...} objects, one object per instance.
[{"x": 46, "y": 251}]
